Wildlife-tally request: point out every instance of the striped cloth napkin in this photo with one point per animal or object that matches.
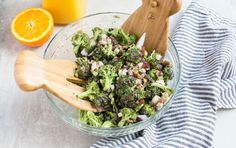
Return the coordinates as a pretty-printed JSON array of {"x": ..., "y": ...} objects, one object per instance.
[{"x": 205, "y": 43}]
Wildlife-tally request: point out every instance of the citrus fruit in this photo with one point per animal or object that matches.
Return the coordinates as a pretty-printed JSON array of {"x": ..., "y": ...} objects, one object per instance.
[{"x": 33, "y": 26}]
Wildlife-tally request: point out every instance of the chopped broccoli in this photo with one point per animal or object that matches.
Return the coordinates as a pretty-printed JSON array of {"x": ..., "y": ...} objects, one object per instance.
[
  {"x": 113, "y": 32},
  {"x": 91, "y": 118},
  {"x": 96, "y": 54},
  {"x": 163, "y": 87},
  {"x": 81, "y": 41},
  {"x": 147, "y": 110},
  {"x": 83, "y": 68},
  {"x": 167, "y": 73},
  {"x": 97, "y": 33},
  {"x": 107, "y": 52},
  {"x": 113, "y": 103},
  {"x": 108, "y": 124},
  {"x": 152, "y": 74},
  {"x": 125, "y": 84},
  {"x": 128, "y": 116},
  {"x": 107, "y": 74},
  {"x": 121, "y": 36},
  {"x": 151, "y": 91},
  {"x": 153, "y": 61},
  {"x": 128, "y": 100},
  {"x": 103, "y": 100},
  {"x": 133, "y": 55},
  {"x": 92, "y": 91}
]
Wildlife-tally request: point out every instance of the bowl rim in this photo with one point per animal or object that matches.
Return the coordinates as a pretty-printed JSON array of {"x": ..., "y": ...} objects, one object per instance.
[{"x": 148, "y": 121}]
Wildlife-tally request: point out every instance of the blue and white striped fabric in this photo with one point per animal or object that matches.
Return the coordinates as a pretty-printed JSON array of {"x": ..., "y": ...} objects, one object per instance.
[{"x": 205, "y": 43}]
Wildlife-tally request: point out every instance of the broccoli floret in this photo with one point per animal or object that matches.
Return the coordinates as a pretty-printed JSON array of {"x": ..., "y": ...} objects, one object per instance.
[
  {"x": 152, "y": 74},
  {"x": 151, "y": 91},
  {"x": 97, "y": 33},
  {"x": 128, "y": 100},
  {"x": 113, "y": 32},
  {"x": 92, "y": 91},
  {"x": 139, "y": 93},
  {"x": 121, "y": 36},
  {"x": 133, "y": 55},
  {"x": 103, "y": 53},
  {"x": 152, "y": 60},
  {"x": 103, "y": 101},
  {"x": 147, "y": 110},
  {"x": 128, "y": 116},
  {"x": 117, "y": 62},
  {"x": 81, "y": 41},
  {"x": 96, "y": 54},
  {"x": 107, "y": 52},
  {"x": 125, "y": 84},
  {"x": 107, "y": 75},
  {"x": 83, "y": 68},
  {"x": 108, "y": 124},
  {"x": 125, "y": 39},
  {"x": 91, "y": 118},
  {"x": 167, "y": 73},
  {"x": 162, "y": 87},
  {"x": 113, "y": 103}
]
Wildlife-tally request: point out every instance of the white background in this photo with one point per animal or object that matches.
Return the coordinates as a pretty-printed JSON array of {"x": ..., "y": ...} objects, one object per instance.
[{"x": 26, "y": 120}]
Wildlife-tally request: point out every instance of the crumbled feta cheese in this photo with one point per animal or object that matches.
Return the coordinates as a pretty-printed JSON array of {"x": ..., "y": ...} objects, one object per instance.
[
  {"x": 117, "y": 50},
  {"x": 96, "y": 65},
  {"x": 104, "y": 36},
  {"x": 103, "y": 42},
  {"x": 122, "y": 72},
  {"x": 158, "y": 57},
  {"x": 159, "y": 105},
  {"x": 161, "y": 82},
  {"x": 130, "y": 72},
  {"x": 155, "y": 99},
  {"x": 112, "y": 87},
  {"x": 143, "y": 70},
  {"x": 119, "y": 114},
  {"x": 138, "y": 81},
  {"x": 84, "y": 53},
  {"x": 92, "y": 42},
  {"x": 165, "y": 96},
  {"x": 108, "y": 40},
  {"x": 140, "y": 65}
]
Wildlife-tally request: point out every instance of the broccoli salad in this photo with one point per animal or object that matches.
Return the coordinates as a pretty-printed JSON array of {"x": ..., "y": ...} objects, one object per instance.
[{"x": 128, "y": 83}]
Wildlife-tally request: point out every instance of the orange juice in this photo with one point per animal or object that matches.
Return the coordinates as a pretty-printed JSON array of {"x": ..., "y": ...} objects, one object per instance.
[{"x": 65, "y": 11}]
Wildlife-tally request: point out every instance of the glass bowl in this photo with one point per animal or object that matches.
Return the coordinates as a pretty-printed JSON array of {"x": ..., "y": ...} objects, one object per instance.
[{"x": 60, "y": 47}]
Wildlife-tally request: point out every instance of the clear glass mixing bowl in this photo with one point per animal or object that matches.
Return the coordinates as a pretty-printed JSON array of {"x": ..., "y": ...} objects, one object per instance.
[{"x": 60, "y": 47}]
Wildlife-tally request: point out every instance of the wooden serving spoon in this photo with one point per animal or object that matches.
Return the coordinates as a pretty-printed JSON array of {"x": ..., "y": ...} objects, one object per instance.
[
  {"x": 33, "y": 72},
  {"x": 152, "y": 18}
]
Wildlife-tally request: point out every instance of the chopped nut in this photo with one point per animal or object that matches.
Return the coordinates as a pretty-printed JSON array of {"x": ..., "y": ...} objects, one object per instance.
[{"x": 166, "y": 62}]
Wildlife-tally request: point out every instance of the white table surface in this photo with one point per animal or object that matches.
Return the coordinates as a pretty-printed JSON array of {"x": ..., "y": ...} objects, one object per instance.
[{"x": 26, "y": 119}]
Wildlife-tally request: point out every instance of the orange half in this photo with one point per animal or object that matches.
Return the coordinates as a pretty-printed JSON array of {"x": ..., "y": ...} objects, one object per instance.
[{"x": 32, "y": 27}]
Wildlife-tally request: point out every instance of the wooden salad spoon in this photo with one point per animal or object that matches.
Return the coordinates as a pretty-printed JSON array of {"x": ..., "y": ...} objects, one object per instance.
[
  {"x": 55, "y": 76},
  {"x": 152, "y": 18}
]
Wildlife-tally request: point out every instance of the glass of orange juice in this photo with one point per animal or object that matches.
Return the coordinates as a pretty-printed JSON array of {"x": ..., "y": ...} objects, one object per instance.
[{"x": 65, "y": 11}]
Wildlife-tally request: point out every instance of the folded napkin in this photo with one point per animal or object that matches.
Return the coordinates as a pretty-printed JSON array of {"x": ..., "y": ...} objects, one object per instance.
[{"x": 205, "y": 43}]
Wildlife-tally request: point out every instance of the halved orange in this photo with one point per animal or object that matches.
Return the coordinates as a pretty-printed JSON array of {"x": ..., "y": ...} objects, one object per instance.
[{"x": 32, "y": 27}]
